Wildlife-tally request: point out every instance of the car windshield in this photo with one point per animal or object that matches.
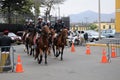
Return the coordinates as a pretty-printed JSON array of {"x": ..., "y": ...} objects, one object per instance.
[
  {"x": 11, "y": 34},
  {"x": 92, "y": 32},
  {"x": 108, "y": 31}
]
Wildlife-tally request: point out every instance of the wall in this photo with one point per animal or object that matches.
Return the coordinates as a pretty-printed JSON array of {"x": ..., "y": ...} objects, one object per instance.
[{"x": 117, "y": 22}]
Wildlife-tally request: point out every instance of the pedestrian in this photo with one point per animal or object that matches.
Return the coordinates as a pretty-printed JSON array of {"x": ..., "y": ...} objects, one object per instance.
[
  {"x": 5, "y": 42},
  {"x": 86, "y": 37}
]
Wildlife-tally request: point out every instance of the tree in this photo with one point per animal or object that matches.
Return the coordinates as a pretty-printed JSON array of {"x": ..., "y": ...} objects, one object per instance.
[
  {"x": 15, "y": 6},
  {"x": 93, "y": 26},
  {"x": 49, "y": 4}
]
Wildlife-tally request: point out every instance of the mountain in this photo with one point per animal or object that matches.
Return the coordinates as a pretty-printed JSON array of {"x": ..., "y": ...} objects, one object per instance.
[{"x": 90, "y": 16}]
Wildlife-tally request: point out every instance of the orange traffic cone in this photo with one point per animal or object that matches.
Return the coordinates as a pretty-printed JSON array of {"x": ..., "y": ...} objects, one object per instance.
[
  {"x": 19, "y": 67},
  {"x": 113, "y": 54},
  {"x": 72, "y": 48},
  {"x": 88, "y": 52},
  {"x": 104, "y": 58}
]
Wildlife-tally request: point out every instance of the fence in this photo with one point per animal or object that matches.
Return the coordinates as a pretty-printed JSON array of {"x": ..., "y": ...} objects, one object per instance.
[
  {"x": 6, "y": 58},
  {"x": 113, "y": 46}
]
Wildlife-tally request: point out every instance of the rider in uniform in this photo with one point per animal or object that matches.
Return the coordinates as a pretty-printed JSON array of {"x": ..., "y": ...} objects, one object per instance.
[
  {"x": 31, "y": 26},
  {"x": 40, "y": 24},
  {"x": 59, "y": 25}
]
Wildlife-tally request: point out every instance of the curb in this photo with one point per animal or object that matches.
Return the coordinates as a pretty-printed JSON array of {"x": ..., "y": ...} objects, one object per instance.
[{"x": 103, "y": 45}]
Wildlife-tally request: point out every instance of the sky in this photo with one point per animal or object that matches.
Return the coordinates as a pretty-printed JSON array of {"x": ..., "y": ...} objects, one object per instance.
[{"x": 77, "y": 6}]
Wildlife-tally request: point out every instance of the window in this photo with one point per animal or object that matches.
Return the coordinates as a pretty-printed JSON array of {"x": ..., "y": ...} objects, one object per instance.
[
  {"x": 109, "y": 26},
  {"x": 103, "y": 26}
]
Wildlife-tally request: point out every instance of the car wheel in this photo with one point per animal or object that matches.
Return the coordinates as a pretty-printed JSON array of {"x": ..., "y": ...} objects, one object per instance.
[{"x": 93, "y": 40}]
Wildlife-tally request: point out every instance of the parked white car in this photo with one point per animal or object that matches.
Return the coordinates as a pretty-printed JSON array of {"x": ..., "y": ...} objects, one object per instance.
[
  {"x": 14, "y": 37},
  {"x": 108, "y": 33},
  {"x": 93, "y": 35}
]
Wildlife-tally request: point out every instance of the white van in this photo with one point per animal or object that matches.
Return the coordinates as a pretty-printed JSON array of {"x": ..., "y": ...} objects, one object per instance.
[{"x": 108, "y": 33}]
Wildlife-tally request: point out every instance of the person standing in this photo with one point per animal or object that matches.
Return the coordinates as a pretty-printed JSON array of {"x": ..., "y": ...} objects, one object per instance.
[
  {"x": 86, "y": 37},
  {"x": 5, "y": 44},
  {"x": 5, "y": 41}
]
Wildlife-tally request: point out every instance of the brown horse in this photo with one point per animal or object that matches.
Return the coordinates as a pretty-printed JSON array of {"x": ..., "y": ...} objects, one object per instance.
[
  {"x": 42, "y": 45},
  {"x": 30, "y": 42},
  {"x": 60, "y": 42}
]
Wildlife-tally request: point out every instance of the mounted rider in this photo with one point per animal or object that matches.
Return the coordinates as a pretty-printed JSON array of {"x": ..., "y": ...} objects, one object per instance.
[
  {"x": 29, "y": 27},
  {"x": 40, "y": 24},
  {"x": 59, "y": 25}
]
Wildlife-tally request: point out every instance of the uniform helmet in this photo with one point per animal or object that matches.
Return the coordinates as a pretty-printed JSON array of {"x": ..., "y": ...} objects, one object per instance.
[
  {"x": 26, "y": 20},
  {"x": 48, "y": 21},
  {"x": 30, "y": 20},
  {"x": 40, "y": 17}
]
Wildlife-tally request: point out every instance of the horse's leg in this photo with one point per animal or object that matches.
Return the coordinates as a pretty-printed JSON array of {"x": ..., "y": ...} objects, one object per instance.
[
  {"x": 37, "y": 52},
  {"x": 49, "y": 52},
  {"x": 45, "y": 56},
  {"x": 53, "y": 49},
  {"x": 62, "y": 53},
  {"x": 57, "y": 51},
  {"x": 31, "y": 50},
  {"x": 40, "y": 57},
  {"x": 27, "y": 47}
]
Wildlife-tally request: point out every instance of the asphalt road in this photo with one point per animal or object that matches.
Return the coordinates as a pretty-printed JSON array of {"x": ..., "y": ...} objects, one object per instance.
[{"x": 75, "y": 66}]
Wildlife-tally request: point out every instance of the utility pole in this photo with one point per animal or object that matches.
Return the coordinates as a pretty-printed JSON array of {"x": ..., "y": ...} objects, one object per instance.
[
  {"x": 58, "y": 11},
  {"x": 99, "y": 19}
]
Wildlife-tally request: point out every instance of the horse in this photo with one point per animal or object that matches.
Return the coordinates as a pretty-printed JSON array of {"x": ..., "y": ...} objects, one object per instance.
[
  {"x": 60, "y": 42},
  {"x": 42, "y": 43},
  {"x": 29, "y": 41}
]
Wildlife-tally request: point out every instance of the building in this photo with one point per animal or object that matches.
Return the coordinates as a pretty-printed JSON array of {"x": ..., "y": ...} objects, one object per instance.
[
  {"x": 78, "y": 27},
  {"x": 106, "y": 25},
  {"x": 117, "y": 22}
]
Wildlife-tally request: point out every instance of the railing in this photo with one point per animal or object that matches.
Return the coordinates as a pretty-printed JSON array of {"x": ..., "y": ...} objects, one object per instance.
[{"x": 6, "y": 58}]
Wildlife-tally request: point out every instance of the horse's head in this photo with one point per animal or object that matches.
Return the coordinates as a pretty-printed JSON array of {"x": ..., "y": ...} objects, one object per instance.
[
  {"x": 52, "y": 31},
  {"x": 46, "y": 31},
  {"x": 64, "y": 32}
]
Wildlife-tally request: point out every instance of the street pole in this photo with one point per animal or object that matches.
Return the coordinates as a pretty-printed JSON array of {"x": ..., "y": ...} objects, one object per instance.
[
  {"x": 58, "y": 11},
  {"x": 99, "y": 19}
]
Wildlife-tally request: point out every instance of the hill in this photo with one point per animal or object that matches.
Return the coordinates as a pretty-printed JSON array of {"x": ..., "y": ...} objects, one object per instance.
[{"x": 90, "y": 16}]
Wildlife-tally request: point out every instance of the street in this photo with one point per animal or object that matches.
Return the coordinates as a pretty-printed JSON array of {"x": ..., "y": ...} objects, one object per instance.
[{"x": 75, "y": 66}]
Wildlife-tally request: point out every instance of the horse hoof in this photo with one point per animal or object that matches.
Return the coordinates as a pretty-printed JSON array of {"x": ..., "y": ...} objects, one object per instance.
[
  {"x": 39, "y": 62},
  {"x": 57, "y": 55},
  {"x": 45, "y": 62},
  {"x": 61, "y": 59}
]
